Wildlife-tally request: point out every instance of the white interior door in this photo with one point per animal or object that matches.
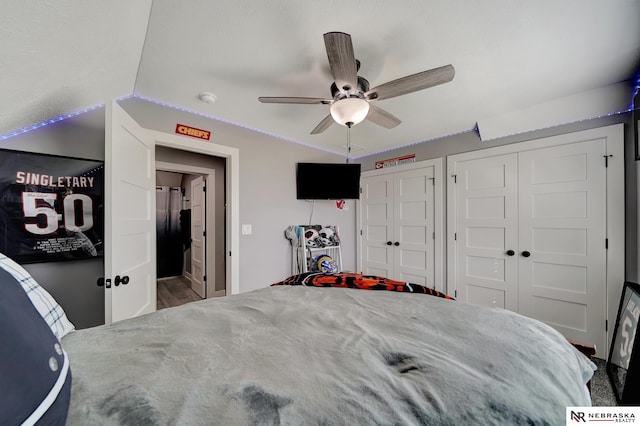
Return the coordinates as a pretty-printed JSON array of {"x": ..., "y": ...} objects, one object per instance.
[
  {"x": 562, "y": 221},
  {"x": 197, "y": 236},
  {"x": 414, "y": 233},
  {"x": 130, "y": 257},
  {"x": 376, "y": 203},
  {"x": 487, "y": 231}
]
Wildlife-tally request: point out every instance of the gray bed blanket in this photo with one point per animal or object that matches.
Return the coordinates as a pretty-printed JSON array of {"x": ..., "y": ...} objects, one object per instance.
[{"x": 325, "y": 356}]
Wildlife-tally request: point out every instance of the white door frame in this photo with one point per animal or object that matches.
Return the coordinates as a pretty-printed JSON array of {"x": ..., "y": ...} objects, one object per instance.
[
  {"x": 614, "y": 137},
  {"x": 437, "y": 164},
  {"x": 232, "y": 200},
  {"x": 209, "y": 175}
]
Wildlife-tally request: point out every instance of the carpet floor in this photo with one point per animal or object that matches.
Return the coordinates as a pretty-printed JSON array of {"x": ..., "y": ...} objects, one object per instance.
[{"x": 601, "y": 391}]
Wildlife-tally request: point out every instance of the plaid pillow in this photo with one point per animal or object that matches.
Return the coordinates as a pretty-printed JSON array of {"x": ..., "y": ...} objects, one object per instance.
[{"x": 46, "y": 305}]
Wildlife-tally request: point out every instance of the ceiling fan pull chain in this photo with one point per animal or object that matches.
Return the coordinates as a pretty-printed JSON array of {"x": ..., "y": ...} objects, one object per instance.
[{"x": 348, "y": 141}]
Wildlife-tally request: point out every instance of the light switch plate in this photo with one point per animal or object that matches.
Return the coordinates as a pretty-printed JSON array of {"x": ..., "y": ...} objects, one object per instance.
[{"x": 246, "y": 229}]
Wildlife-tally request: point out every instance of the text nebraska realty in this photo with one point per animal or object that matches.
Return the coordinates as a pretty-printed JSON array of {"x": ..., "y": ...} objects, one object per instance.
[
  {"x": 622, "y": 417},
  {"x": 27, "y": 178}
]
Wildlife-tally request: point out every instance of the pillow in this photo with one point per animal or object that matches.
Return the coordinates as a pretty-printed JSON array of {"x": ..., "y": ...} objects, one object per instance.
[
  {"x": 46, "y": 305},
  {"x": 34, "y": 373}
]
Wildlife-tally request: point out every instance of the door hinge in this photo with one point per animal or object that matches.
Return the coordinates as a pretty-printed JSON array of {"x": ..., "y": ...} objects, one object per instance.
[
  {"x": 361, "y": 232},
  {"x": 433, "y": 181},
  {"x": 606, "y": 325},
  {"x": 606, "y": 160},
  {"x": 433, "y": 235},
  {"x": 204, "y": 278},
  {"x": 455, "y": 178},
  {"x": 455, "y": 236},
  {"x": 204, "y": 233},
  {"x": 606, "y": 243},
  {"x": 455, "y": 293},
  {"x": 361, "y": 190},
  {"x": 204, "y": 188}
]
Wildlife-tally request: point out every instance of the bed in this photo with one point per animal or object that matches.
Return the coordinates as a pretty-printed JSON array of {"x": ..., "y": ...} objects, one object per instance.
[{"x": 362, "y": 353}]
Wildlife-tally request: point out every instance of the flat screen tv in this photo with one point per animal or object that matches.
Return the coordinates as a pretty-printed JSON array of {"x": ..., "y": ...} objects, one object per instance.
[{"x": 327, "y": 181}]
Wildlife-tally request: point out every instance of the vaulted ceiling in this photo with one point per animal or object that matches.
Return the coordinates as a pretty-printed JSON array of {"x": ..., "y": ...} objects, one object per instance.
[{"x": 519, "y": 65}]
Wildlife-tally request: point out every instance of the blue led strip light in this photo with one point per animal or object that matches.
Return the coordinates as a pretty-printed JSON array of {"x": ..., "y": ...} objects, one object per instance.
[
  {"x": 54, "y": 120},
  {"x": 190, "y": 111},
  {"x": 635, "y": 91},
  {"x": 166, "y": 104},
  {"x": 48, "y": 122}
]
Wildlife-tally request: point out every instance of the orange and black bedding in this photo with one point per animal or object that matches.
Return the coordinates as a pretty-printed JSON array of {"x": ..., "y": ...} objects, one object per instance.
[{"x": 363, "y": 282}]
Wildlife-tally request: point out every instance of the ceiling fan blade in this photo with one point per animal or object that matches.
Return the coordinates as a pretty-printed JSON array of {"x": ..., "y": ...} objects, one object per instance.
[
  {"x": 342, "y": 60},
  {"x": 412, "y": 83},
  {"x": 323, "y": 125},
  {"x": 382, "y": 117},
  {"x": 292, "y": 100}
]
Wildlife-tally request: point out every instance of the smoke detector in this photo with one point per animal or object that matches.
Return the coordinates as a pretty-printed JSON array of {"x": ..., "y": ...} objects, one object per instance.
[{"x": 207, "y": 97}]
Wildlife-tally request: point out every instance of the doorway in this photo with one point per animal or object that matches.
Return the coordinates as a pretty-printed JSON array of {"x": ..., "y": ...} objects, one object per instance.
[
  {"x": 204, "y": 264},
  {"x": 129, "y": 213},
  {"x": 180, "y": 244}
]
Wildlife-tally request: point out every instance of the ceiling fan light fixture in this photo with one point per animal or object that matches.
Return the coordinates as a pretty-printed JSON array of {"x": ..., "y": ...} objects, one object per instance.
[{"x": 349, "y": 110}]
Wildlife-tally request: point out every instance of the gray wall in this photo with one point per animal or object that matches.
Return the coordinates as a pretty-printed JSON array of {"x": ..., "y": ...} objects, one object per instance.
[
  {"x": 71, "y": 283},
  {"x": 267, "y": 192}
]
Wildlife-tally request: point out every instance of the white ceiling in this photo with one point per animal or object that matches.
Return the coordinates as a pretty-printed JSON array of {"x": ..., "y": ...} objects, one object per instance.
[{"x": 520, "y": 65}]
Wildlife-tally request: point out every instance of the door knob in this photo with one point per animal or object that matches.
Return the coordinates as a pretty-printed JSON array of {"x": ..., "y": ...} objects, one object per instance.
[
  {"x": 121, "y": 280},
  {"x": 396, "y": 244},
  {"x": 389, "y": 243},
  {"x": 510, "y": 252},
  {"x": 526, "y": 254}
]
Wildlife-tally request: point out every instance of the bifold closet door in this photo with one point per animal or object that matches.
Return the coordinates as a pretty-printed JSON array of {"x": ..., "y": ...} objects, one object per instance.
[
  {"x": 414, "y": 238},
  {"x": 398, "y": 221},
  {"x": 487, "y": 231},
  {"x": 562, "y": 238},
  {"x": 377, "y": 225},
  {"x": 531, "y": 235}
]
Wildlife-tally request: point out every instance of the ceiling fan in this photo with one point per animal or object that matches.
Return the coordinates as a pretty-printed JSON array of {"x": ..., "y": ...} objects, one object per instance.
[{"x": 351, "y": 95}]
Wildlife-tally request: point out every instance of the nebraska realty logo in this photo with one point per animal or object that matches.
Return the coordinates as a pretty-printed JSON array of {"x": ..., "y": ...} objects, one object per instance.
[{"x": 581, "y": 415}]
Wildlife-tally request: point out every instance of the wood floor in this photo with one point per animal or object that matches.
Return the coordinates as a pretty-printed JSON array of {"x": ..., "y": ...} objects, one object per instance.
[{"x": 175, "y": 292}]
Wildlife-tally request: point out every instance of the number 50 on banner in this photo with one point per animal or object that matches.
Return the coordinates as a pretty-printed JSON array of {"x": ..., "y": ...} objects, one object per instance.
[{"x": 71, "y": 223}]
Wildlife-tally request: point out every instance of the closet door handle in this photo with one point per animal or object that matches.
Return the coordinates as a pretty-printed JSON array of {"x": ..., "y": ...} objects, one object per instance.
[
  {"x": 396, "y": 244},
  {"x": 510, "y": 252},
  {"x": 389, "y": 243},
  {"x": 526, "y": 254}
]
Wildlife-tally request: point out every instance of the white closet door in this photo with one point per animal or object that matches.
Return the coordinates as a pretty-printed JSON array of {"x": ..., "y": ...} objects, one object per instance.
[
  {"x": 563, "y": 229},
  {"x": 487, "y": 229},
  {"x": 198, "y": 241},
  {"x": 377, "y": 225},
  {"x": 414, "y": 233}
]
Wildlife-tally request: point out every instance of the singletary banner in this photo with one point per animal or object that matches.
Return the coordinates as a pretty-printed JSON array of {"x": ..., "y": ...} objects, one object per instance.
[{"x": 51, "y": 208}]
